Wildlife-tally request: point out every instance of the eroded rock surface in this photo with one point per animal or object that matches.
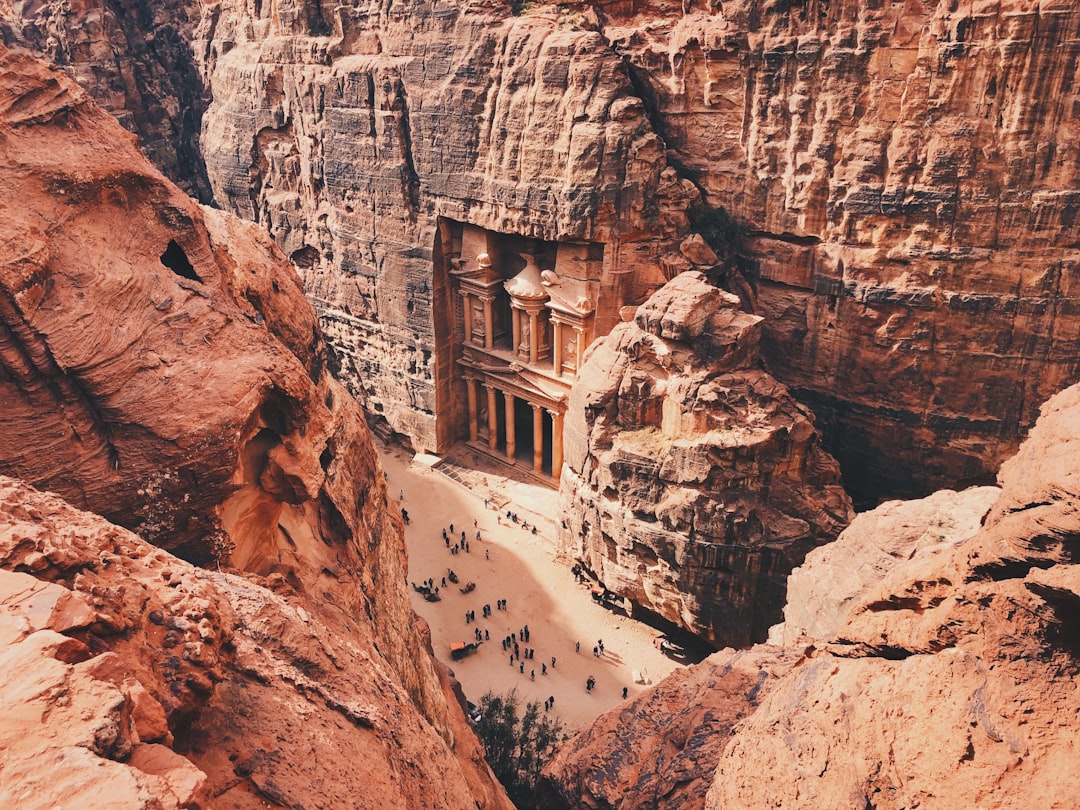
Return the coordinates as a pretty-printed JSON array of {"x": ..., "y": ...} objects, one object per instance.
[
  {"x": 906, "y": 173},
  {"x": 133, "y": 679},
  {"x": 694, "y": 483},
  {"x": 159, "y": 365},
  {"x": 933, "y": 666},
  {"x": 660, "y": 748}
]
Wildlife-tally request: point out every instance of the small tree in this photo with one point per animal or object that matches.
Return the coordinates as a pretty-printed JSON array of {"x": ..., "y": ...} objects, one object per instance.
[{"x": 517, "y": 748}]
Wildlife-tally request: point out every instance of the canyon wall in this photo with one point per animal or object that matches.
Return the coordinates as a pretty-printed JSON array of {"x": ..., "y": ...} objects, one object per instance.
[
  {"x": 933, "y": 666},
  {"x": 694, "y": 483},
  {"x": 160, "y": 366},
  {"x": 904, "y": 175}
]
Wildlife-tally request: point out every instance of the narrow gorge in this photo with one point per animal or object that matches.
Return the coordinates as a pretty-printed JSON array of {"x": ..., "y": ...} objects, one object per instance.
[{"x": 720, "y": 272}]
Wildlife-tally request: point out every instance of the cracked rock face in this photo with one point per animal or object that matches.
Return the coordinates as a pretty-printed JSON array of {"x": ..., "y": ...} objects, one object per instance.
[
  {"x": 694, "y": 483},
  {"x": 133, "y": 679},
  {"x": 907, "y": 172},
  {"x": 928, "y": 657},
  {"x": 160, "y": 366}
]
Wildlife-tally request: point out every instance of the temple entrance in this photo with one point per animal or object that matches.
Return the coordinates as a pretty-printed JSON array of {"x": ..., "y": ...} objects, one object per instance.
[
  {"x": 522, "y": 316},
  {"x": 523, "y": 427}
]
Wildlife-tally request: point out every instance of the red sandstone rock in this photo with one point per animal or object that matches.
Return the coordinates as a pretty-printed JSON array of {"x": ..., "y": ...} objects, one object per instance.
[
  {"x": 906, "y": 171},
  {"x": 660, "y": 749},
  {"x": 262, "y": 700},
  {"x": 161, "y": 366},
  {"x": 693, "y": 482},
  {"x": 939, "y": 668}
]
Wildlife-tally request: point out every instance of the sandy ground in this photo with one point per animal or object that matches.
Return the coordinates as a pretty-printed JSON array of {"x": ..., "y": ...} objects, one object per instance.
[{"x": 520, "y": 567}]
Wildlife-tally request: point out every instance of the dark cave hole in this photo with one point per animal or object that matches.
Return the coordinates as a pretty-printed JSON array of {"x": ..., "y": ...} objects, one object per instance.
[{"x": 176, "y": 260}]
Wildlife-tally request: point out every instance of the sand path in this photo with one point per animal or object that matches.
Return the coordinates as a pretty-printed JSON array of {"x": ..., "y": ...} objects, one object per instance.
[{"x": 540, "y": 591}]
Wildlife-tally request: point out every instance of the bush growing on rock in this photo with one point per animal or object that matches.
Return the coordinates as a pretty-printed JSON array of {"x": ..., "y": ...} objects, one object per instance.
[{"x": 517, "y": 747}]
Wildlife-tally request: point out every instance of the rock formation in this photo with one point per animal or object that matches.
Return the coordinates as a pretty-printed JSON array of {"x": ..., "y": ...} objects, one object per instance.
[
  {"x": 694, "y": 483},
  {"x": 660, "y": 748},
  {"x": 933, "y": 667},
  {"x": 160, "y": 366},
  {"x": 133, "y": 679},
  {"x": 905, "y": 172}
]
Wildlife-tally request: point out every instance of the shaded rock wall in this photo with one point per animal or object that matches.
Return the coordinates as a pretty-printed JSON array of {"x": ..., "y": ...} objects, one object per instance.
[
  {"x": 906, "y": 173},
  {"x": 934, "y": 666},
  {"x": 160, "y": 365},
  {"x": 136, "y": 60},
  {"x": 133, "y": 679},
  {"x": 694, "y": 483}
]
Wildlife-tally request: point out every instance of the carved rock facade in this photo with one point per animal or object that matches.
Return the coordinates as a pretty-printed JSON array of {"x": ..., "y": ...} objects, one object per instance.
[
  {"x": 906, "y": 173},
  {"x": 694, "y": 483}
]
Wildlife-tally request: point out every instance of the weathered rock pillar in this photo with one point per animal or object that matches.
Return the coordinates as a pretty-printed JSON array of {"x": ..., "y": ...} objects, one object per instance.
[
  {"x": 474, "y": 428},
  {"x": 556, "y": 444},
  {"x": 557, "y": 349},
  {"x": 534, "y": 339},
  {"x": 511, "y": 444},
  {"x": 538, "y": 439},
  {"x": 515, "y": 315},
  {"x": 493, "y": 420}
]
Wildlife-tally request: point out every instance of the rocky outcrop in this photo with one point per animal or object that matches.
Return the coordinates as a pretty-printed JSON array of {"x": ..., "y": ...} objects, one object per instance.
[
  {"x": 828, "y": 585},
  {"x": 694, "y": 483},
  {"x": 133, "y": 679},
  {"x": 660, "y": 748},
  {"x": 136, "y": 60},
  {"x": 935, "y": 667},
  {"x": 905, "y": 173},
  {"x": 160, "y": 366}
]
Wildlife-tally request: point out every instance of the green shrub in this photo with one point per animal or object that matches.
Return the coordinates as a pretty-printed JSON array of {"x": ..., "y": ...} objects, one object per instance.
[{"x": 517, "y": 747}]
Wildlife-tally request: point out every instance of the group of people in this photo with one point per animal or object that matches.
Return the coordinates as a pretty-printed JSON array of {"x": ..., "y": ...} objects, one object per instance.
[{"x": 513, "y": 643}]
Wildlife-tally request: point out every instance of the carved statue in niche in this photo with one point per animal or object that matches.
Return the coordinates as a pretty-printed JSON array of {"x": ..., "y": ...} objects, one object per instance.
[
  {"x": 477, "y": 320},
  {"x": 570, "y": 350},
  {"x": 526, "y": 335},
  {"x": 481, "y": 414}
]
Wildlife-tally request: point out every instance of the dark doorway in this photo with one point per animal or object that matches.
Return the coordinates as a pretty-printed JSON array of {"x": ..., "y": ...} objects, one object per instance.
[{"x": 523, "y": 431}]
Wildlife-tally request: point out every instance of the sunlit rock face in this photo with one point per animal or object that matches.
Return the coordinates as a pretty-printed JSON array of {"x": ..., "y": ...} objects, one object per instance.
[
  {"x": 160, "y": 366},
  {"x": 905, "y": 174},
  {"x": 694, "y": 483},
  {"x": 928, "y": 657}
]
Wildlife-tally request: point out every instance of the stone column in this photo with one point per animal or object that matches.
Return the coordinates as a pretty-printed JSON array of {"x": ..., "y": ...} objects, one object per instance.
[
  {"x": 511, "y": 445},
  {"x": 556, "y": 350},
  {"x": 489, "y": 326},
  {"x": 556, "y": 444},
  {"x": 534, "y": 339},
  {"x": 493, "y": 420},
  {"x": 515, "y": 315},
  {"x": 466, "y": 301},
  {"x": 580, "y": 347},
  {"x": 474, "y": 427},
  {"x": 538, "y": 439}
]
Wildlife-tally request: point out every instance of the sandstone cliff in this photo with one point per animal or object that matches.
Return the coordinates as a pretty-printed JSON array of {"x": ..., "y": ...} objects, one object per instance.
[
  {"x": 906, "y": 174},
  {"x": 694, "y": 483},
  {"x": 133, "y": 679},
  {"x": 935, "y": 666},
  {"x": 161, "y": 367}
]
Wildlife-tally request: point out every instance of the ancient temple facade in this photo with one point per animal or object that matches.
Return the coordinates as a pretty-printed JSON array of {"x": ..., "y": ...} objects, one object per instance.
[{"x": 525, "y": 310}]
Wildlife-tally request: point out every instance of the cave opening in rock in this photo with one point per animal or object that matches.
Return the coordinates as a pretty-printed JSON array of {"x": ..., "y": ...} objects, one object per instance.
[{"x": 176, "y": 260}]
